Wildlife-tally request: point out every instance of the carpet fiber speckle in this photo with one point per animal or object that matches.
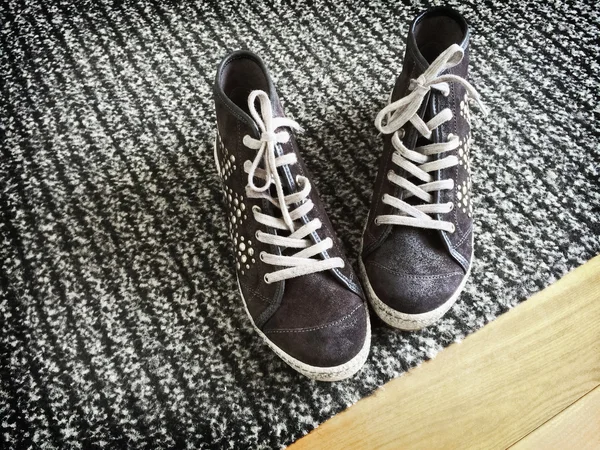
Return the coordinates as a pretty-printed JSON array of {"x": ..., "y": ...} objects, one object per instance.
[{"x": 120, "y": 321}]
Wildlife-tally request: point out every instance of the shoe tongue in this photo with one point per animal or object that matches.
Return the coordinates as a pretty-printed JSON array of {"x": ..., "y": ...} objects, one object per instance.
[
  {"x": 288, "y": 172},
  {"x": 287, "y": 175},
  {"x": 426, "y": 113}
]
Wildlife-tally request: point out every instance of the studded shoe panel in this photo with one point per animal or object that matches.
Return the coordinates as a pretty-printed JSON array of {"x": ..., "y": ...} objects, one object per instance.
[{"x": 242, "y": 229}]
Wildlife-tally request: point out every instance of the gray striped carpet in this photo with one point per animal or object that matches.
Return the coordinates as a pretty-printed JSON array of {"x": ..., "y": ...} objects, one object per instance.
[{"x": 120, "y": 323}]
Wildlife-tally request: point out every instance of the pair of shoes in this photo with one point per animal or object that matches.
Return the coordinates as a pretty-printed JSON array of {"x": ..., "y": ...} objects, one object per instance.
[{"x": 297, "y": 286}]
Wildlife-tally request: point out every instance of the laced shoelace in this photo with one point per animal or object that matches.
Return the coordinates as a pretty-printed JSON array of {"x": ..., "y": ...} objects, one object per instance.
[
  {"x": 293, "y": 206},
  {"x": 420, "y": 162}
]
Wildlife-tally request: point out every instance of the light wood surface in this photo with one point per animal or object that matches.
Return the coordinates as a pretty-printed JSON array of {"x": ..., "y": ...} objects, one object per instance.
[
  {"x": 578, "y": 427},
  {"x": 493, "y": 389}
]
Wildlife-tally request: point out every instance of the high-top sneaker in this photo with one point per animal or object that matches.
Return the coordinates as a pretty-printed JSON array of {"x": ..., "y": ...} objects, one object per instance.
[
  {"x": 297, "y": 287},
  {"x": 418, "y": 241}
]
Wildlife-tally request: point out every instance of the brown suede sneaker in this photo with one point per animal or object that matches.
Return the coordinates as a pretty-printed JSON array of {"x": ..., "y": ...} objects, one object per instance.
[
  {"x": 297, "y": 287},
  {"x": 418, "y": 241}
]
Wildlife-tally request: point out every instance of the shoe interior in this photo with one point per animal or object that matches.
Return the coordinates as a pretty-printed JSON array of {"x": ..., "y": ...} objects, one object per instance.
[
  {"x": 240, "y": 77},
  {"x": 434, "y": 33}
]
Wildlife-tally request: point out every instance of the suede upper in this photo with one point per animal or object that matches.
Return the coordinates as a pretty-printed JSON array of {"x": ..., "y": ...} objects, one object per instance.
[
  {"x": 318, "y": 318},
  {"x": 415, "y": 270}
]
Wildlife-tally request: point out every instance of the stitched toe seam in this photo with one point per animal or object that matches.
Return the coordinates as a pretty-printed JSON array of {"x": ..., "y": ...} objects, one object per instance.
[
  {"x": 320, "y": 327},
  {"x": 415, "y": 276}
]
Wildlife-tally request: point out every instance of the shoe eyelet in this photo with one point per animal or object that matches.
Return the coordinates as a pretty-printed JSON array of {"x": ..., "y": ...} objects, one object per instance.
[
  {"x": 376, "y": 221},
  {"x": 256, "y": 235},
  {"x": 401, "y": 133},
  {"x": 453, "y": 229},
  {"x": 261, "y": 256},
  {"x": 256, "y": 209},
  {"x": 451, "y": 206},
  {"x": 266, "y": 280}
]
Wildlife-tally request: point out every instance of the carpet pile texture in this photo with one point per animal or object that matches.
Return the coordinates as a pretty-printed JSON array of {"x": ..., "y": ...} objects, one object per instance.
[{"x": 120, "y": 321}]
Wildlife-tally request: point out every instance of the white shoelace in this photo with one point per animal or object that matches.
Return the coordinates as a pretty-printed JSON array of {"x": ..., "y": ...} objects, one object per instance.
[
  {"x": 419, "y": 162},
  {"x": 302, "y": 262}
]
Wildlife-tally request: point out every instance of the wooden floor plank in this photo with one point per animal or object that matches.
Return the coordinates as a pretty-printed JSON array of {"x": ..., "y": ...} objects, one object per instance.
[
  {"x": 494, "y": 388},
  {"x": 577, "y": 427}
]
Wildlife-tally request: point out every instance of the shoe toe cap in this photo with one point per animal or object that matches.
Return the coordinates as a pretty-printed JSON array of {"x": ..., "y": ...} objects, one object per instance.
[
  {"x": 412, "y": 293},
  {"x": 326, "y": 345}
]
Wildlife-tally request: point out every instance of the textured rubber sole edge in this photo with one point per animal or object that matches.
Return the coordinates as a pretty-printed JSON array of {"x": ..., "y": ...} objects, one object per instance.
[{"x": 403, "y": 321}]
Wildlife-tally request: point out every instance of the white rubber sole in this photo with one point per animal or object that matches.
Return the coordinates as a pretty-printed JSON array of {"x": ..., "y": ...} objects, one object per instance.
[
  {"x": 216, "y": 158},
  {"x": 403, "y": 321}
]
